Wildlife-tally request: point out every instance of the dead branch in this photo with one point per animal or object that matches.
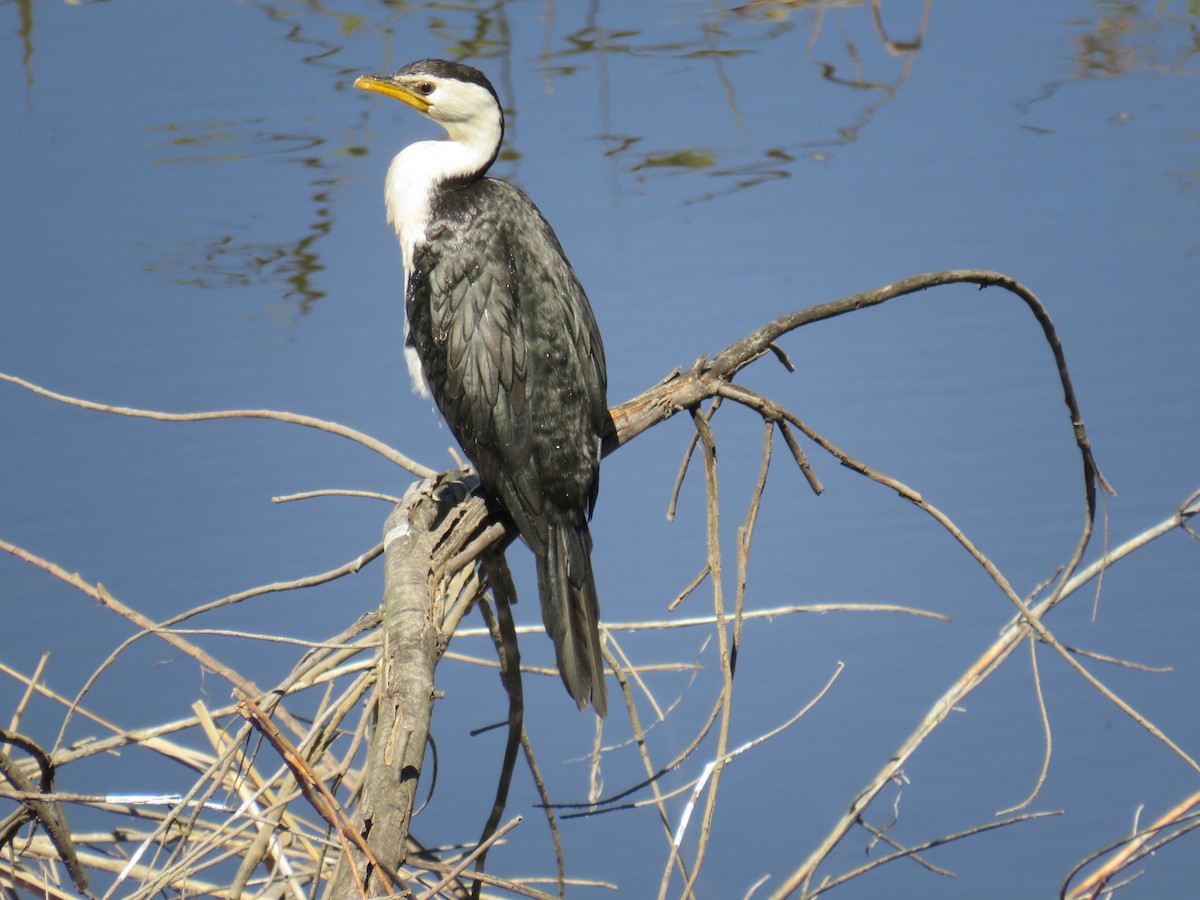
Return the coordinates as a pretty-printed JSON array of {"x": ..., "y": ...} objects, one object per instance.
[
  {"x": 412, "y": 645},
  {"x": 388, "y": 453},
  {"x": 435, "y": 537}
]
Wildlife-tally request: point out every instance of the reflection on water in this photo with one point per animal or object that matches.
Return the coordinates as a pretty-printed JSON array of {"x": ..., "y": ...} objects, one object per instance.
[
  {"x": 225, "y": 262},
  {"x": 851, "y": 53},
  {"x": 229, "y": 259}
]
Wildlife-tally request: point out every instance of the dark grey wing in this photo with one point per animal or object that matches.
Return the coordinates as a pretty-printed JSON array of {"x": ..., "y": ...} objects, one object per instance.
[
  {"x": 513, "y": 358},
  {"x": 465, "y": 327},
  {"x": 511, "y": 352},
  {"x": 568, "y": 382}
]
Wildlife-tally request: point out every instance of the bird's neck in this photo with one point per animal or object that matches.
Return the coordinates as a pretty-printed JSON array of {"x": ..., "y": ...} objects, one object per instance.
[{"x": 420, "y": 169}]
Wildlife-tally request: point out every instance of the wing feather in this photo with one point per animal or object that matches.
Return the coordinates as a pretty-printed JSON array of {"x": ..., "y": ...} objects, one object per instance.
[{"x": 513, "y": 358}]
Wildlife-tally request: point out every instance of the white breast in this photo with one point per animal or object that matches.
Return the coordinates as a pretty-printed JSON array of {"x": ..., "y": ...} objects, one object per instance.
[
  {"x": 410, "y": 181},
  {"x": 414, "y": 174}
]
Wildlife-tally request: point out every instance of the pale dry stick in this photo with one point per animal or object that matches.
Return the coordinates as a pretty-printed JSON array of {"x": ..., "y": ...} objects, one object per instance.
[
  {"x": 266, "y": 843},
  {"x": 573, "y": 882},
  {"x": 151, "y": 737},
  {"x": 880, "y": 834},
  {"x": 220, "y": 845},
  {"x": 471, "y": 537},
  {"x": 14, "y": 878},
  {"x": 148, "y": 626},
  {"x": 317, "y": 794},
  {"x": 639, "y": 734},
  {"x": 1092, "y": 886},
  {"x": 652, "y": 775},
  {"x": 777, "y": 611},
  {"x": 335, "y": 492},
  {"x": 389, "y": 453},
  {"x": 680, "y": 695},
  {"x": 754, "y": 887},
  {"x": 193, "y": 802},
  {"x": 484, "y": 540},
  {"x": 123, "y": 803},
  {"x": 1104, "y": 552},
  {"x": 321, "y": 665},
  {"x": 1123, "y": 663},
  {"x": 697, "y": 784},
  {"x": 228, "y": 845},
  {"x": 1034, "y": 622},
  {"x": 467, "y": 587},
  {"x": 103, "y": 597},
  {"x": 687, "y": 591},
  {"x": 461, "y": 866},
  {"x": 744, "y": 536},
  {"x": 148, "y": 737},
  {"x": 252, "y": 636},
  {"x": 344, "y": 772},
  {"x": 547, "y": 807},
  {"x": 632, "y": 670},
  {"x": 513, "y": 887},
  {"x": 1049, "y": 743},
  {"x": 359, "y": 694},
  {"x": 267, "y": 839},
  {"x": 1186, "y": 510},
  {"x": 15, "y": 722},
  {"x": 725, "y": 652},
  {"x": 690, "y": 450},
  {"x": 334, "y": 671},
  {"x": 928, "y": 845},
  {"x": 1186, "y": 825},
  {"x": 306, "y": 865},
  {"x": 1013, "y": 633},
  {"x": 770, "y": 613},
  {"x": 552, "y": 671},
  {"x": 42, "y": 848},
  {"x": 275, "y": 808},
  {"x": 327, "y": 720},
  {"x": 595, "y": 776},
  {"x": 348, "y": 568}
]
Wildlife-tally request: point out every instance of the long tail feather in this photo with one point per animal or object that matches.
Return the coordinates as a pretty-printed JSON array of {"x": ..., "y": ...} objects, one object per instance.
[{"x": 571, "y": 613}]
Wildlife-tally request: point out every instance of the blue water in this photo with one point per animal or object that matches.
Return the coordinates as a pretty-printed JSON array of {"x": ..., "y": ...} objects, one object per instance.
[{"x": 193, "y": 220}]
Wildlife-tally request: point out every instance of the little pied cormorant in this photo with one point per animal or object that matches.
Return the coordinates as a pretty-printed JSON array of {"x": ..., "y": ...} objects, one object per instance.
[{"x": 499, "y": 331}]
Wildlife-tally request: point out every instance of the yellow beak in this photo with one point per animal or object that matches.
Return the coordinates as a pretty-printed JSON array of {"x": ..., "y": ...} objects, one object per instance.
[{"x": 382, "y": 84}]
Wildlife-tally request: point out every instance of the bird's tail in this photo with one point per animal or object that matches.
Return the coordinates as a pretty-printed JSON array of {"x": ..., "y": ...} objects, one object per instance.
[{"x": 571, "y": 612}]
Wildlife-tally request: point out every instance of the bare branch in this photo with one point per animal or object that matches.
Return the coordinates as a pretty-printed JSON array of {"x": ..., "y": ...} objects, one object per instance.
[{"x": 388, "y": 453}]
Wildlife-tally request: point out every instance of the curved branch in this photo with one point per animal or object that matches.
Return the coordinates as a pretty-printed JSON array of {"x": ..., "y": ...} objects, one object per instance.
[{"x": 388, "y": 453}]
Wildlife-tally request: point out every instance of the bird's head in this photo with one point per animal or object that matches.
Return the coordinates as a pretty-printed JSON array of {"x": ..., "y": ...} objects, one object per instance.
[{"x": 458, "y": 97}]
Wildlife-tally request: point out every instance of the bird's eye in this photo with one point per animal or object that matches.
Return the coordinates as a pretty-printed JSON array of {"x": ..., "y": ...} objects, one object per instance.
[{"x": 425, "y": 88}]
